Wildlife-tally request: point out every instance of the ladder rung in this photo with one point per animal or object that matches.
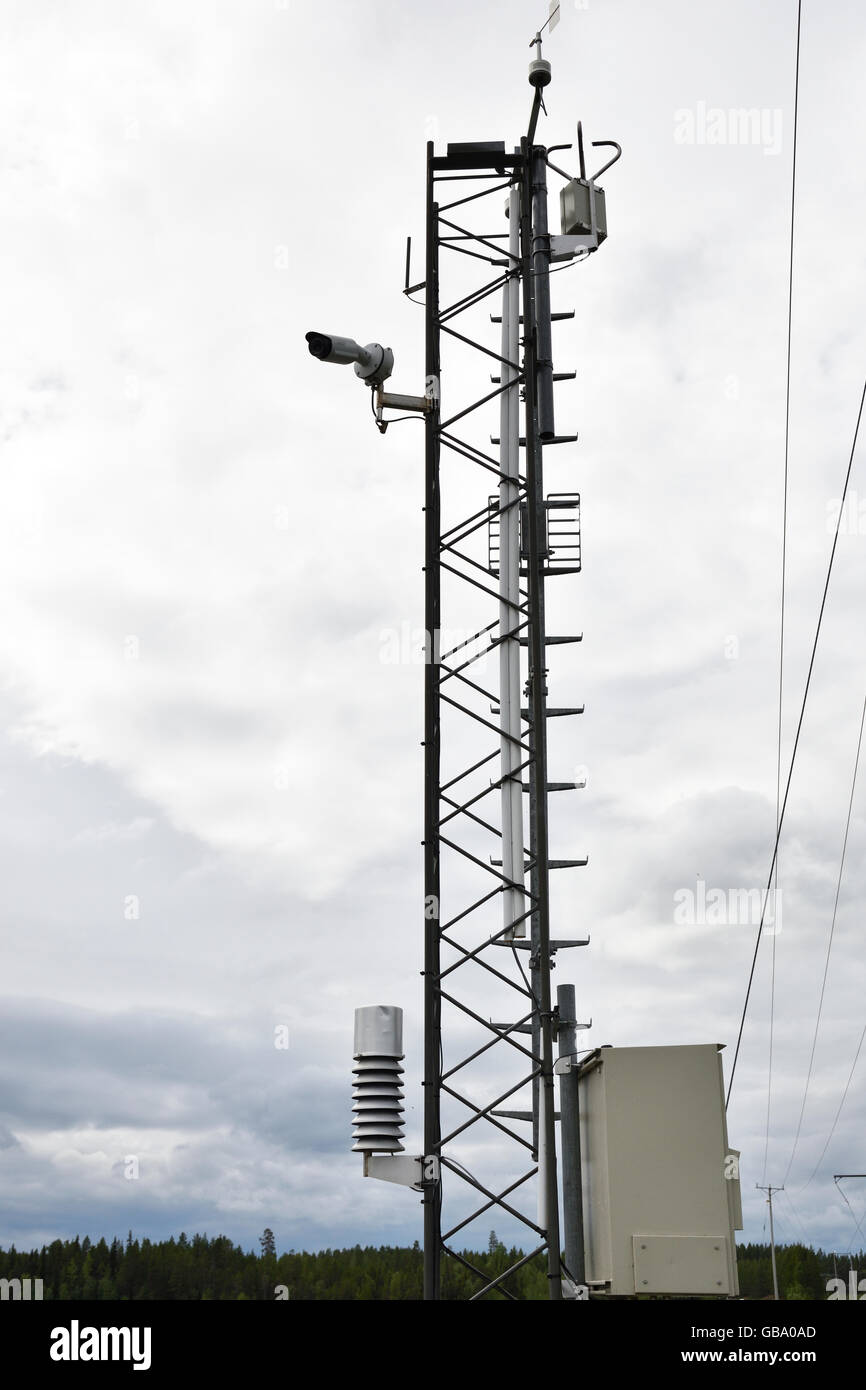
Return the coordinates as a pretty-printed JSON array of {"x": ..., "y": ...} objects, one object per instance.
[
  {"x": 557, "y": 439},
  {"x": 559, "y": 786},
  {"x": 520, "y": 1114},
  {"x": 557, "y": 376},
  {"x": 559, "y": 945},
  {"x": 556, "y": 713},
  {"x": 556, "y": 318},
  {"x": 551, "y": 864}
]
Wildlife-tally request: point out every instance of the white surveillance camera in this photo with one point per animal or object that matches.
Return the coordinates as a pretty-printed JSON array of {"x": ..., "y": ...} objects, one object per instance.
[
  {"x": 332, "y": 349},
  {"x": 373, "y": 363}
]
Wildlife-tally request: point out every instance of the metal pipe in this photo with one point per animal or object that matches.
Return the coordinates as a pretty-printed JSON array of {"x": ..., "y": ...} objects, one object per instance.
[
  {"x": 541, "y": 293},
  {"x": 511, "y": 792},
  {"x": 432, "y": 1199},
  {"x": 535, "y": 513},
  {"x": 569, "y": 1108},
  {"x": 534, "y": 113}
]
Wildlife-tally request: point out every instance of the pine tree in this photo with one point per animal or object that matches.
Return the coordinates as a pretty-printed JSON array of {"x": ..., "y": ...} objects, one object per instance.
[{"x": 267, "y": 1242}]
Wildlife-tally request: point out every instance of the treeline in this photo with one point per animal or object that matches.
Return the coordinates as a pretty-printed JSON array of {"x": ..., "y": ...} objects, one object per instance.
[
  {"x": 199, "y": 1268},
  {"x": 803, "y": 1273}
]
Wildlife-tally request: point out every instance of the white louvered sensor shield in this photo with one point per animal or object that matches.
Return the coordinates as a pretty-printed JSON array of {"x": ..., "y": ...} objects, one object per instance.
[{"x": 377, "y": 1087}]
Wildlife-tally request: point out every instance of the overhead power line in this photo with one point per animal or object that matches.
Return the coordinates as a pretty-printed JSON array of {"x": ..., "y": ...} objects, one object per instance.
[
  {"x": 829, "y": 945},
  {"x": 839, "y": 1111},
  {"x": 858, "y": 1224},
  {"x": 784, "y": 564},
  {"x": 806, "y": 1237},
  {"x": 797, "y": 740}
]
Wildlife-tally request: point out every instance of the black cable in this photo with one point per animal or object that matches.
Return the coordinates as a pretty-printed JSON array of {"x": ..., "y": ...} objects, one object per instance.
[
  {"x": 839, "y": 1111},
  {"x": 529, "y": 988},
  {"x": 797, "y": 740},
  {"x": 784, "y": 559},
  {"x": 806, "y": 1239},
  {"x": 853, "y": 1217},
  {"x": 398, "y": 419}
]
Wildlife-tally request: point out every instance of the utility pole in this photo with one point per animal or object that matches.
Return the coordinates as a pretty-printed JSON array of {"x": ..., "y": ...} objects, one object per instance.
[{"x": 769, "y": 1191}]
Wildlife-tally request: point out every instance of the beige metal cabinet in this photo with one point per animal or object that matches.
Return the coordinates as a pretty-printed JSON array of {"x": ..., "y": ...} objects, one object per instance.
[{"x": 661, "y": 1192}]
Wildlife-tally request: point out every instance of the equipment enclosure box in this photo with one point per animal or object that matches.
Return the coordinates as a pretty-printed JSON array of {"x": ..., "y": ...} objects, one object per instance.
[
  {"x": 661, "y": 1192},
  {"x": 576, "y": 212}
]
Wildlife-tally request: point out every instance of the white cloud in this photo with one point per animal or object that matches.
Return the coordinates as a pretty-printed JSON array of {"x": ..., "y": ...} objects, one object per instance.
[{"x": 202, "y": 540}]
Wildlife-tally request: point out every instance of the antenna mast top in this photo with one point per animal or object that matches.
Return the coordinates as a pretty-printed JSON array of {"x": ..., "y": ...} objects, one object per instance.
[{"x": 539, "y": 68}]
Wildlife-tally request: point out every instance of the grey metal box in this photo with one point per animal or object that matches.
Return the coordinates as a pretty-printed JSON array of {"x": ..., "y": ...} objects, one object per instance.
[
  {"x": 660, "y": 1184},
  {"x": 575, "y": 211}
]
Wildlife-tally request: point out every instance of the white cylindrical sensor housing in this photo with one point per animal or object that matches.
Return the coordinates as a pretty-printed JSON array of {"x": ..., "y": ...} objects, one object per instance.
[
  {"x": 379, "y": 1031},
  {"x": 377, "y": 1090}
]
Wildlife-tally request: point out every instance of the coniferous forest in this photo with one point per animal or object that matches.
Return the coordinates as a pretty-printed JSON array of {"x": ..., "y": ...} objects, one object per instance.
[{"x": 199, "y": 1268}]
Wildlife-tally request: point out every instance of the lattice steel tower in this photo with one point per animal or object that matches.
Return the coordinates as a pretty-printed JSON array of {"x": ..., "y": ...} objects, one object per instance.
[{"x": 493, "y": 538}]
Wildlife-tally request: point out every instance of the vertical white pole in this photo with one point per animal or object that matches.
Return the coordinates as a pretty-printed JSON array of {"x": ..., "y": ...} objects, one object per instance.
[
  {"x": 542, "y": 1158},
  {"x": 509, "y": 589}
]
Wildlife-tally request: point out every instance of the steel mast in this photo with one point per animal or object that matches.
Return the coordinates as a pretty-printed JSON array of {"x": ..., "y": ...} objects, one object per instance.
[{"x": 472, "y": 966}]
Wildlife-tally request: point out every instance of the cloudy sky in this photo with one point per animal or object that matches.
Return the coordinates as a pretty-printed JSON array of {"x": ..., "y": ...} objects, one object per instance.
[{"x": 210, "y": 778}]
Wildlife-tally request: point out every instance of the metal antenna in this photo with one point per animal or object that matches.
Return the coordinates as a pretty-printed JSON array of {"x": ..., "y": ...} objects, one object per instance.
[{"x": 550, "y": 23}]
